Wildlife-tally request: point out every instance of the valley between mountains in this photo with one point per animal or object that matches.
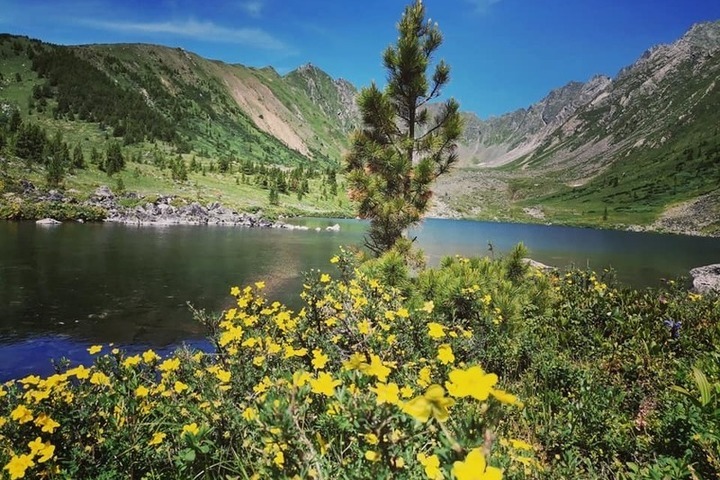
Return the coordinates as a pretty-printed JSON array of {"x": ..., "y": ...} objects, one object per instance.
[{"x": 640, "y": 150}]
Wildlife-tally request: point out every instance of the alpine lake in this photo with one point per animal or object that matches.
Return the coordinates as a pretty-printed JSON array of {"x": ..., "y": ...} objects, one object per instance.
[{"x": 69, "y": 286}]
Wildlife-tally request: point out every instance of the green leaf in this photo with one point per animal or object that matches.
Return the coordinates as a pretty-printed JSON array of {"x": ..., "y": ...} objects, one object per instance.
[
  {"x": 703, "y": 385},
  {"x": 187, "y": 455}
]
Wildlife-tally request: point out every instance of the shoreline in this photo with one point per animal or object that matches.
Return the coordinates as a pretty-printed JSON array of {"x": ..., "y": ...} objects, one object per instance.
[{"x": 168, "y": 210}]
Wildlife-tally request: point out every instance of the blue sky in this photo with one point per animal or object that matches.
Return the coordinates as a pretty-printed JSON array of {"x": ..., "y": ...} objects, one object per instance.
[{"x": 504, "y": 54}]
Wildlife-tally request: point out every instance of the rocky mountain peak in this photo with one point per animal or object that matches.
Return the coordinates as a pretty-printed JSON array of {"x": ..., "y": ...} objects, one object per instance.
[{"x": 704, "y": 35}]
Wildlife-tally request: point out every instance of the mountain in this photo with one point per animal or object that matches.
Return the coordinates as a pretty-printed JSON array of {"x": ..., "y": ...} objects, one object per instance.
[
  {"x": 641, "y": 148},
  {"x": 204, "y": 105},
  {"x": 176, "y": 125},
  {"x": 624, "y": 148}
]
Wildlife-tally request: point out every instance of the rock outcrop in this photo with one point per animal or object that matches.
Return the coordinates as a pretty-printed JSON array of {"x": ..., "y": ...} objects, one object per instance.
[
  {"x": 706, "y": 279},
  {"x": 171, "y": 210},
  {"x": 47, "y": 221}
]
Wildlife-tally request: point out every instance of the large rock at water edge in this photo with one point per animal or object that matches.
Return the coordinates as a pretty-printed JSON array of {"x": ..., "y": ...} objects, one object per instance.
[
  {"x": 706, "y": 279},
  {"x": 48, "y": 221}
]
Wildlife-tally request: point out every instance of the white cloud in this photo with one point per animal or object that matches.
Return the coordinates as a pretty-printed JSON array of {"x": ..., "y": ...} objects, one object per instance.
[
  {"x": 200, "y": 30},
  {"x": 482, "y": 6},
  {"x": 252, "y": 8}
]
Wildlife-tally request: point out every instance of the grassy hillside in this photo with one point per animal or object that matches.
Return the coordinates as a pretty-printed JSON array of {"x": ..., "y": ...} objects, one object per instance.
[{"x": 171, "y": 111}]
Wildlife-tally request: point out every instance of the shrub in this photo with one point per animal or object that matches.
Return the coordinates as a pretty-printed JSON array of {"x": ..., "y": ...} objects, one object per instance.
[{"x": 356, "y": 384}]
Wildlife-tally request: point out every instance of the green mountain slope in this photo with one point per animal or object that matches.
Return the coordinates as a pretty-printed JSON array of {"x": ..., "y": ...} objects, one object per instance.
[
  {"x": 188, "y": 126},
  {"x": 610, "y": 151},
  {"x": 150, "y": 92}
]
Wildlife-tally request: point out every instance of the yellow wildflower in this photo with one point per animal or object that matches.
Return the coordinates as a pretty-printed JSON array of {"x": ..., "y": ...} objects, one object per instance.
[
  {"x": 223, "y": 375},
  {"x": 520, "y": 444},
  {"x": 150, "y": 356},
  {"x": 433, "y": 403},
  {"x": 180, "y": 387},
  {"x": 35, "y": 446},
  {"x": 473, "y": 382},
  {"x": 142, "y": 391},
  {"x": 371, "y": 438},
  {"x": 386, "y": 393},
  {"x": 424, "y": 377},
  {"x": 432, "y": 466},
  {"x": 233, "y": 334},
  {"x": 21, "y": 414},
  {"x": 475, "y": 468},
  {"x": 377, "y": 368},
  {"x": 99, "y": 378},
  {"x": 131, "y": 361},
  {"x": 403, "y": 313},
  {"x": 300, "y": 378},
  {"x": 364, "y": 327},
  {"x": 235, "y": 291},
  {"x": 30, "y": 380},
  {"x": 249, "y": 414},
  {"x": 48, "y": 424},
  {"x": 335, "y": 259},
  {"x": 319, "y": 359},
  {"x": 505, "y": 397},
  {"x": 17, "y": 465},
  {"x": 44, "y": 450},
  {"x": 279, "y": 459},
  {"x": 406, "y": 391},
  {"x": 192, "y": 429},
  {"x": 372, "y": 455},
  {"x": 94, "y": 349},
  {"x": 435, "y": 330},
  {"x": 169, "y": 365},
  {"x": 259, "y": 285},
  {"x": 324, "y": 384},
  {"x": 157, "y": 438},
  {"x": 428, "y": 306},
  {"x": 355, "y": 362},
  {"x": 334, "y": 408},
  {"x": 445, "y": 354},
  {"x": 324, "y": 278},
  {"x": 290, "y": 351}
]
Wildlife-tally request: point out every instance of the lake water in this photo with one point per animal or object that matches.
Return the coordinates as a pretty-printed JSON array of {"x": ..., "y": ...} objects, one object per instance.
[{"x": 63, "y": 288}]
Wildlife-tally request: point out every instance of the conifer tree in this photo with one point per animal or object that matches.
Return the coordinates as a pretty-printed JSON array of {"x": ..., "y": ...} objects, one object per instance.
[
  {"x": 78, "y": 159},
  {"x": 403, "y": 146},
  {"x": 114, "y": 160}
]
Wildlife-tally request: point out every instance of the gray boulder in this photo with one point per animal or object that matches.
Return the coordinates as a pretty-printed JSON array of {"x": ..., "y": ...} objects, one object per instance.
[
  {"x": 538, "y": 265},
  {"x": 48, "y": 221},
  {"x": 706, "y": 279},
  {"x": 103, "y": 192}
]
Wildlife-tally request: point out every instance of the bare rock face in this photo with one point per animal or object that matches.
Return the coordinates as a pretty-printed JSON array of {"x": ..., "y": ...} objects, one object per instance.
[{"x": 706, "y": 279}]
